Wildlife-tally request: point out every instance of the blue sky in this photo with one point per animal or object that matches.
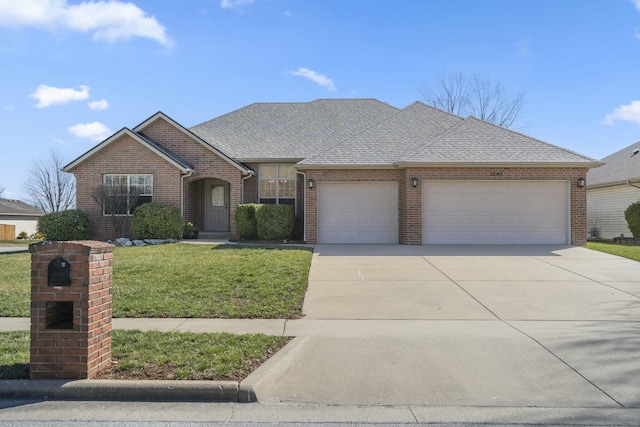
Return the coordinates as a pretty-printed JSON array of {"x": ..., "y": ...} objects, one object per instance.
[{"x": 74, "y": 72}]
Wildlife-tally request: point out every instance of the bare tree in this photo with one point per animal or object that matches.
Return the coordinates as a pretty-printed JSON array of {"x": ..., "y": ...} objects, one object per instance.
[
  {"x": 117, "y": 202},
  {"x": 476, "y": 96},
  {"x": 1, "y": 190},
  {"x": 48, "y": 187}
]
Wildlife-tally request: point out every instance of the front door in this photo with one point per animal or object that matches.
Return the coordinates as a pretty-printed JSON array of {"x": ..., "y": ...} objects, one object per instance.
[{"x": 216, "y": 211}]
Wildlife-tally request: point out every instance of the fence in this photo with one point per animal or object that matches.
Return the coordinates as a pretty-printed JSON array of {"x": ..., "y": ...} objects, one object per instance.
[{"x": 7, "y": 232}]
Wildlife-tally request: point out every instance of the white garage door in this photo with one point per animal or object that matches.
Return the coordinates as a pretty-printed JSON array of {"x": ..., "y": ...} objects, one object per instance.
[
  {"x": 495, "y": 212},
  {"x": 363, "y": 212}
]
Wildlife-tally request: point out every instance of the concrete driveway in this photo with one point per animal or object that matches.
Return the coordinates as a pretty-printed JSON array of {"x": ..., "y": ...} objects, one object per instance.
[{"x": 550, "y": 326}]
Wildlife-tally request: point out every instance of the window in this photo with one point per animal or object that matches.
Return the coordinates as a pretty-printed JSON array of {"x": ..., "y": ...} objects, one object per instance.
[
  {"x": 124, "y": 193},
  {"x": 277, "y": 184}
]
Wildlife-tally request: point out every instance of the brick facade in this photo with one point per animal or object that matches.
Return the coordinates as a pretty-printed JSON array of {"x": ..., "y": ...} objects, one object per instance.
[
  {"x": 71, "y": 325},
  {"x": 410, "y": 199},
  {"x": 127, "y": 156}
]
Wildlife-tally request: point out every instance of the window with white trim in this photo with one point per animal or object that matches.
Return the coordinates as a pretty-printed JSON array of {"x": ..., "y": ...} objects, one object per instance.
[
  {"x": 277, "y": 184},
  {"x": 124, "y": 193}
]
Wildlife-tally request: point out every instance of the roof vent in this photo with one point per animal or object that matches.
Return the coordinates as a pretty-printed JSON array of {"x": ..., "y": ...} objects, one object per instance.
[{"x": 636, "y": 151}]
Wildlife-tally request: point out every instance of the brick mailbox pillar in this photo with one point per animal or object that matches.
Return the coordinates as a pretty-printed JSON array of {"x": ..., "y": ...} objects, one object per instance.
[{"x": 70, "y": 309}]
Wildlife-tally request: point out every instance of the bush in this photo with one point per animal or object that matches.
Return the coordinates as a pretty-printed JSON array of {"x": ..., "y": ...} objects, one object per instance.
[
  {"x": 632, "y": 215},
  {"x": 157, "y": 221},
  {"x": 23, "y": 235},
  {"x": 71, "y": 224},
  {"x": 246, "y": 221},
  {"x": 275, "y": 222}
]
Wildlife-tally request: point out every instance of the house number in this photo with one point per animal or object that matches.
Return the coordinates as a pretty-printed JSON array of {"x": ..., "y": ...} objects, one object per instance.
[{"x": 497, "y": 173}]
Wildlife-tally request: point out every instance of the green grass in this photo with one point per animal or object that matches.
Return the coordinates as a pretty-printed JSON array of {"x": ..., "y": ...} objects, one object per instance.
[
  {"x": 184, "y": 280},
  {"x": 161, "y": 355},
  {"x": 15, "y": 284},
  {"x": 631, "y": 252}
]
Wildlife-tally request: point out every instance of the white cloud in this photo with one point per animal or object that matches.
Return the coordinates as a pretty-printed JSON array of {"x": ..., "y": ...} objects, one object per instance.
[
  {"x": 98, "y": 105},
  {"x": 636, "y": 3},
  {"x": 235, "y": 4},
  {"x": 49, "y": 95},
  {"x": 315, "y": 77},
  {"x": 95, "y": 131},
  {"x": 625, "y": 113},
  {"x": 108, "y": 20}
]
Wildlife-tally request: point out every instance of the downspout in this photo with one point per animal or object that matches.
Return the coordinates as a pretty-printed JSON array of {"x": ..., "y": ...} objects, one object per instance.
[
  {"x": 182, "y": 178},
  {"x": 242, "y": 188},
  {"x": 304, "y": 217}
]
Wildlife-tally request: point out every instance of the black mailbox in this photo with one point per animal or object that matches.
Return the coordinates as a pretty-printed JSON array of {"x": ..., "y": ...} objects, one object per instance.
[{"x": 59, "y": 273}]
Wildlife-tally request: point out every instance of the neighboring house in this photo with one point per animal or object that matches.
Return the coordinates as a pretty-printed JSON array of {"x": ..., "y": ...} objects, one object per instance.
[
  {"x": 19, "y": 214},
  {"x": 610, "y": 190},
  {"x": 355, "y": 170}
]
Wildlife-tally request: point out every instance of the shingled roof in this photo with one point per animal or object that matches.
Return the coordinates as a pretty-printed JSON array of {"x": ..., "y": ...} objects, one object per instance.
[
  {"x": 423, "y": 135},
  {"x": 620, "y": 167},
  {"x": 18, "y": 208},
  {"x": 292, "y": 131}
]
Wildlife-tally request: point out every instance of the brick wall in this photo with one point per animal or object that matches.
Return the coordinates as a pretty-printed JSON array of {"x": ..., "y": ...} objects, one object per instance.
[
  {"x": 410, "y": 199},
  {"x": 127, "y": 156},
  {"x": 71, "y": 325}
]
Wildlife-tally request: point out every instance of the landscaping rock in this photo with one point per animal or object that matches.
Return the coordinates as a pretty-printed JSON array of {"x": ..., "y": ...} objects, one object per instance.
[
  {"x": 123, "y": 241},
  {"x": 138, "y": 243}
]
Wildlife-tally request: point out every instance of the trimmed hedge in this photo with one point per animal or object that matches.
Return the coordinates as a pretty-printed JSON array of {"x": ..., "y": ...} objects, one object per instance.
[
  {"x": 157, "y": 221},
  {"x": 72, "y": 224},
  {"x": 246, "y": 221},
  {"x": 275, "y": 222},
  {"x": 632, "y": 215}
]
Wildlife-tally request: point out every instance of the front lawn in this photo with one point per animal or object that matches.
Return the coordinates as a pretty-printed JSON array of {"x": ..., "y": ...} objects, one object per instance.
[
  {"x": 185, "y": 280},
  {"x": 631, "y": 252},
  {"x": 161, "y": 355}
]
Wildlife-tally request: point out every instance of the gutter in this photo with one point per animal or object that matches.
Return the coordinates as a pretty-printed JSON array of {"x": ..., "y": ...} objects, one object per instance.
[{"x": 631, "y": 185}]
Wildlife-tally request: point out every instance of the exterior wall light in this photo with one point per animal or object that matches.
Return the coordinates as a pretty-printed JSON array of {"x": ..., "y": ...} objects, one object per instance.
[
  {"x": 581, "y": 182},
  {"x": 415, "y": 182},
  {"x": 311, "y": 183}
]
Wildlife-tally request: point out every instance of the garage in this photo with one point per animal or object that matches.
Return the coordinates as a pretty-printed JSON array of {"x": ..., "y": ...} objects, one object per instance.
[
  {"x": 495, "y": 212},
  {"x": 358, "y": 212}
]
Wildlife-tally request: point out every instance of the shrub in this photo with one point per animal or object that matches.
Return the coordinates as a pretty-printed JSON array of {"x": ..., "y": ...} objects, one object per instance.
[
  {"x": 23, "y": 235},
  {"x": 275, "y": 222},
  {"x": 72, "y": 224},
  {"x": 157, "y": 221},
  {"x": 246, "y": 221},
  {"x": 632, "y": 215}
]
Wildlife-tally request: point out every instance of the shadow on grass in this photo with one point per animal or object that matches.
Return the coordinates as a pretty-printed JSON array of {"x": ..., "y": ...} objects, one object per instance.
[
  {"x": 262, "y": 246},
  {"x": 18, "y": 371}
]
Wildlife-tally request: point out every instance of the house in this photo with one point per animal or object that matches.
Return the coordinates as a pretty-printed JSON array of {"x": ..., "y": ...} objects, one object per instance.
[
  {"x": 610, "y": 190},
  {"x": 21, "y": 215},
  {"x": 355, "y": 170}
]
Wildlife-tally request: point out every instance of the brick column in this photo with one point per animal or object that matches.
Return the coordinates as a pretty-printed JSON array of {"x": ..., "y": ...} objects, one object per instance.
[{"x": 70, "y": 309}]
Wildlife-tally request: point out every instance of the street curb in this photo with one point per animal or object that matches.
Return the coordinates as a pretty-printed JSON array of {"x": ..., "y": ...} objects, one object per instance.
[{"x": 126, "y": 390}]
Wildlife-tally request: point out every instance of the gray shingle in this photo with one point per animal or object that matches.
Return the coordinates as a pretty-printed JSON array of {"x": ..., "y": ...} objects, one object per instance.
[
  {"x": 18, "y": 208},
  {"x": 476, "y": 141},
  {"x": 619, "y": 167},
  {"x": 388, "y": 141},
  {"x": 290, "y": 130}
]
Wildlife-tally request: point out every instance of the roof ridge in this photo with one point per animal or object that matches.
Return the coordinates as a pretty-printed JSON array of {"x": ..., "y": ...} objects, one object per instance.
[
  {"x": 435, "y": 138},
  {"x": 359, "y": 131}
]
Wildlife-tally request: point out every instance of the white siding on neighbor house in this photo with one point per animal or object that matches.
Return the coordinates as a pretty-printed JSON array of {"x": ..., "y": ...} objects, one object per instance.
[
  {"x": 605, "y": 209},
  {"x": 22, "y": 223}
]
